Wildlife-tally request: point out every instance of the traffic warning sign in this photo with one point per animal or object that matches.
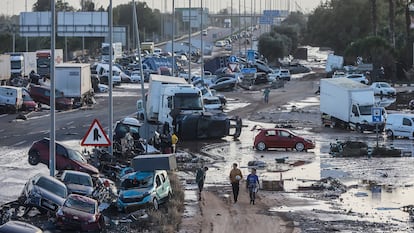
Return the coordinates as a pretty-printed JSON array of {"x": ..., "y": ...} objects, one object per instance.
[{"x": 96, "y": 136}]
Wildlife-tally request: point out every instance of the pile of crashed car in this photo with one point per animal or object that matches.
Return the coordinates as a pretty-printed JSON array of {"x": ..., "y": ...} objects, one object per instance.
[{"x": 82, "y": 196}]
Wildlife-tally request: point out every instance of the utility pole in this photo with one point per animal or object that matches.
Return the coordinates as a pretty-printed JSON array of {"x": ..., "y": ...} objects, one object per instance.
[
  {"x": 52, "y": 147},
  {"x": 201, "y": 35},
  {"x": 110, "y": 83},
  {"x": 189, "y": 40},
  {"x": 172, "y": 39}
]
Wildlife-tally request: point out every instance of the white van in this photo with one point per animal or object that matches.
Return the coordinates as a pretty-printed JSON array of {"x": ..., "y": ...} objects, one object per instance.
[
  {"x": 102, "y": 69},
  {"x": 11, "y": 98},
  {"x": 400, "y": 125}
]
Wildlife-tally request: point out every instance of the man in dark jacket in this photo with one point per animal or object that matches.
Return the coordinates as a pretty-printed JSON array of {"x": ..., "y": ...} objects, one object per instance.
[{"x": 200, "y": 177}]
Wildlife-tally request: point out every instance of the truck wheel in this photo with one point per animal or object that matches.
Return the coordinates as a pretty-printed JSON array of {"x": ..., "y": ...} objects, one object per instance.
[
  {"x": 359, "y": 128},
  {"x": 299, "y": 146},
  {"x": 390, "y": 134},
  {"x": 261, "y": 146},
  {"x": 34, "y": 157}
]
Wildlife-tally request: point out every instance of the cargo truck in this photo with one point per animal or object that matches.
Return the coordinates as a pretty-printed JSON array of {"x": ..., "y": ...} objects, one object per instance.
[
  {"x": 172, "y": 101},
  {"x": 116, "y": 51},
  {"x": 147, "y": 47},
  {"x": 74, "y": 80},
  {"x": 23, "y": 63},
  {"x": 43, "y": 61},
  {"x": 348, "y": 104},
  {"x": 5, "y": 70}
]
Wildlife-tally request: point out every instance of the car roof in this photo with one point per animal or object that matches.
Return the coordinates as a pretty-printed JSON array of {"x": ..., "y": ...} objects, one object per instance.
[
  {"x": 75, "y": 173},
  {"x": 18, "y": 226},
  {"x": 82, "y": 198}
]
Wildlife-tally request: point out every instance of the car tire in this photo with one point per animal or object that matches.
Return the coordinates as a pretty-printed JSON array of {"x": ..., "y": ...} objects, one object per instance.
[
  {"x": 34, "y": 157},
  {"x": 359, "y": 128},
  {"x": 170, "y": 196},
  {"x": 261, "y": 146},
  {"x": 155, "y": 204},
  {"x": 299, "y": 146},
  {"x": 390, "y": 134}
]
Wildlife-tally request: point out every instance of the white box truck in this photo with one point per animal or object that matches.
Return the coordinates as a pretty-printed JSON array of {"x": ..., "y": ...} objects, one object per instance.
[
  {"x": 334, "y": 62},
  {"x": 116, "y": 51},
  {"x": 23, "y": 63},
  {"x": 74, "y": 80},
  {"x": 349, "y": 104}
]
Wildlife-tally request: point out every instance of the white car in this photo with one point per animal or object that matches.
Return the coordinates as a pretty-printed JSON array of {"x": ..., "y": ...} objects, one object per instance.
[
  {"x": 353, "y": 76},
  {"x": 103, "y": 87},
  {"x": 135, "y": 76},
  {"x": 220, "y": 43},
  {"x": 383, "y": 88}
]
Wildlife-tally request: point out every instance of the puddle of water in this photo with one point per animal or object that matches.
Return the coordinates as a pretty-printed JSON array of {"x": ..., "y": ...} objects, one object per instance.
[{"x": 191, "y": 207}]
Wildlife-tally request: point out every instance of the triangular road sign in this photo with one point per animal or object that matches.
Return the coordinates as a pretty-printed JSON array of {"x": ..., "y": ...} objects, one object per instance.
[
  {"x": 95, "y": 136},
  {"x": 233, "y": 66}
]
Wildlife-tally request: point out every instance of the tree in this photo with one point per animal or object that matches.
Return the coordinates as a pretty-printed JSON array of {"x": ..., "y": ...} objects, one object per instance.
[
  {"x": 87, "y": 5},
  {"x": 274, "y": 45},
  {"x": 44, "y": 5}
]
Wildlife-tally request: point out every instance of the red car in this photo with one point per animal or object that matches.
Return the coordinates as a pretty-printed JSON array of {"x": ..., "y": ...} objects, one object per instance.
[
  {"x": 66, "y": 158},
  {"x": 281, "y": 138},
  {"x": 41, "y": 94},
  {"x": 81, "y": 213}
]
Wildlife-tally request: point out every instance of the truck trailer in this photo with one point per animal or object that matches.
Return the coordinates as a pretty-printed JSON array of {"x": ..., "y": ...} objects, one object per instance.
[
  {"x": 348, "y": 104},
  {"x": 74, "y": 80}
]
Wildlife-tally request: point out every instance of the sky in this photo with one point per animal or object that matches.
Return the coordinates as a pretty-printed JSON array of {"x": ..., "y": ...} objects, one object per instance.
[{"x": 14, "y": 7}]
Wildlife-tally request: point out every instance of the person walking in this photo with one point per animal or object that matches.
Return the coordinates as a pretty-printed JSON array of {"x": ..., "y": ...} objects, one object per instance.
[
  {"x": 200, "y": 178},
  {"x": 174, "y": 140},
  {"x": 235, "y": 177},
  {"x": 266, "y": 93},
  {"x": 252, "y": 185}
]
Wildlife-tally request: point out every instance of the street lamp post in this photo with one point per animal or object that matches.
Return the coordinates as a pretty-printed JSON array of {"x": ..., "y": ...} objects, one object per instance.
[
  {"x": 52, "y": 148},
  {"x": 111, "y": 100}
]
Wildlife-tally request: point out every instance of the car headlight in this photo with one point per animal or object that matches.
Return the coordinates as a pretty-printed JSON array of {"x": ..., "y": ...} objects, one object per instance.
[
  {"x": 60, "y": 213},
  {"x": 92, "y": 220}
]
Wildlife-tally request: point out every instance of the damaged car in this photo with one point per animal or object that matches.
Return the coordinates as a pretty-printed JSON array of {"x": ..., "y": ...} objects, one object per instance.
[
  {"x": 77, "y": 182},
  {"x": 80, "y": 213},
  {"x": 44, "y": 192},
  {"x": 144, "y": 188}
]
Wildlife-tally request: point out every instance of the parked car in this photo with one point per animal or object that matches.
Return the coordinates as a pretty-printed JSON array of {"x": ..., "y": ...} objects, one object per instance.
[
  {"x": 205, "y": 32},
  {"x": 66, "y": 158},
  {"x": 144, "y": 188},
  {"x": 228, "y": 47},
  {"x": 297, "y": 68},
  {"x": 80, "y": 213},
  {"x": 400, "y": 125},
  {"x": 383, "y": 88},
  {"x": 220, "y": 43},
  {"x": 280, "y": 73},
  {"x": 11, "y": 99},
  {"x": 20, "y": 227},
  {"x": 44, "y": 192},
  {"x": 353, "y": 76},
  {"x": 41, "y": 94},
  {"x": 28, "y": 102},
  {"x": 136, "y": 76},
  {"x": 77, "y": 182},
  {"x": 281, "y": 138},
  {"x": 411, "y": 104}
]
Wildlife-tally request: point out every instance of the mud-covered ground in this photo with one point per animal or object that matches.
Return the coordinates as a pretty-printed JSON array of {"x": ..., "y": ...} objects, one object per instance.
[{"x": 361, "y": 194}]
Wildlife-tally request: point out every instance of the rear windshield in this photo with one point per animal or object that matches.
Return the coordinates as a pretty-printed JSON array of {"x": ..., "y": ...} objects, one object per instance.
[
  {"x": 78, "y": 179},
  {"x": 51, "y": 186},
  {"x": 80, "y": 205}
]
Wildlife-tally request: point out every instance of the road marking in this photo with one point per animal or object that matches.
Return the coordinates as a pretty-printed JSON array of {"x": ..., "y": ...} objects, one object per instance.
[
  {"x": 69, "y": 123},
  {"x": 3, "y": 115},
  {"x": 19, "y": 143}
]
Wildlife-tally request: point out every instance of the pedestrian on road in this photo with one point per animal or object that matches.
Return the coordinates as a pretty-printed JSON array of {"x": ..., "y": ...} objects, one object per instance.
[
  {"x": 252, "y": 185},
  {"x": 266, "y": 93},
  {"x": 235, "y": 177},
  {"x": 200, "y": 178},
  {"x": 174, "y": 140}
]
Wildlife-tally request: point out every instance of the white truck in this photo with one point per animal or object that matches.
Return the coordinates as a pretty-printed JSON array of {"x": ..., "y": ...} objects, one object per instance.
[
  {"x": 334, "y": 62},
  {"x": 23, "y": 63},
  {"x": 5, "y": 69},
  {"x": 74, "y": 80},
  {"x": 116, "y": 51},
  {"x": 349, "y": 104},
  {"x": 172, "y": 101}
]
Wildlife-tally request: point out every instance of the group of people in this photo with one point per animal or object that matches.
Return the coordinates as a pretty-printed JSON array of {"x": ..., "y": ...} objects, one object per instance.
[{"x": 235, "y": 177}]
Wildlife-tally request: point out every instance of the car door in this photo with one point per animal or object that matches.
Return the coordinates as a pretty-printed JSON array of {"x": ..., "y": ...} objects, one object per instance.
[
  {"x": 158, "y": 187},
  {"x": 62, "y": 160},
  {"x": 271, "y": 138},
  {"x": 285, "y": 139},
  {"x": 406, "y": 127}
]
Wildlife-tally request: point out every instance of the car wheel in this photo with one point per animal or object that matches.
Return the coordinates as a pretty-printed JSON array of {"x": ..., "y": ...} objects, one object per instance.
[
  {"x": 34, "y": 157},
  {"x": 299, "y": 146},
  {"x": 155, "y": 204},
  {"x": 390, "y": 134},
  {"x": 170, "y": 195},
  {"x": 261, "y": 146}
]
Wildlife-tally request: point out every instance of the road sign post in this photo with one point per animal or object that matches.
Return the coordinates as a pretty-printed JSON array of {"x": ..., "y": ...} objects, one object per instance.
[
  {"x": 95, "y": 136},
  {"x": 376, "y": 119}
]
